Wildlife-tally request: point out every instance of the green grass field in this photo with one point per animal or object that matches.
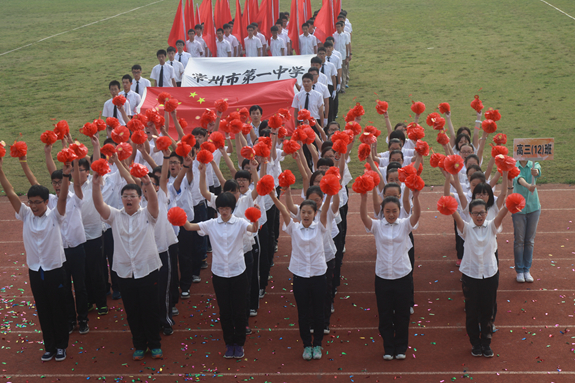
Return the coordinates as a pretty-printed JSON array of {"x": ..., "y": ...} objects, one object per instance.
[{"x": 520, "y": 54}]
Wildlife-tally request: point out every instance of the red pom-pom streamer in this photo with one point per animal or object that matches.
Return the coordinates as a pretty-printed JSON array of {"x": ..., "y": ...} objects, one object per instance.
[
  {"x": 262, "y": 150},
  {"x": 80, "y": 150},
  {"x": 119, "y": 100},
  {"x": 265, "y": 185},
  {"x": 217, "y": 139},
  {"x": 431, "y": 117},
  {"x": 89, "y": 129},
  {"x": 139, "y": 137},
  {"x": 177, "y": 216},
  {"x": 435, "y": 159},
  {"x": 422, "y": 148},
  {"x": 48, "y": 137},
  {"x": 444, "y": 108},
  {"x": 477, "y": 104},
  {"x": 253, "y": 214},
  {"x": 120, "y": 134},
  {"x": 453, "y": 164},
  {"x": 354, "y": 126},
  {"x": 101, "y": 167},
  {"x": 124, "y": 151},
  {"x": 381, "y": 107},
  {"x": 112, "y": 122},
  {"x": 340, "y": 147},
  {"x": 515, "y": 202},
  {"x": 418, "y": 107},
  {"x": 363, "y": 152},
  {"x": 62, "y": 129},
  {"x": 363, "y": 184},
  {"x": 138, "y": 170},
  {"x": 442, "y": 139},
  {"x": 415, "y": 132},
  {"x": 500, "y": 139},
  {"x": 489, "y": 126},
  {"x": 497, "y": 150},
  {"x": 329, "y": 184},
  {"x": 189, "y": 139},
  {"x": 248, "y": 152},
  {"x": 286, "y": 178},
  {"x": 303, "y": 115},
  {"x": 505, "y": 163},
  {"x": 163, "y": 143},
  {"x": 493, "y": 114},
  {"x": 205, "y": 157},
  {"x": 163, "y": 96},
  {"x": 210, "y": 147},
  {"x": 221, "y": 105},
  {"x": 18, "y": 149},
  {"x": 108, "y": 150},
  {"x": 414, "y": 182},
  {"x": 447, "y": 205},
  {"x": 183, "y": 149},
  {"x": 66, "y": 155},
  {"x": 134, "y": 125},
  {"x": 290, "y": 147}
]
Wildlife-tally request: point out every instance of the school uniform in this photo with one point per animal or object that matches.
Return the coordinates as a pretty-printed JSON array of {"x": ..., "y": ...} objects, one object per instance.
[
  {"x": 111, "y": 110},
  {"x": 223, "y": 48},
  {"x": 276, "y": 46},
  {"x": 234, "y": 43},
  {"x": 183, "y": 58},
  {"x": 158, "y": 156},
  {"x": 341, "y": 40},
  {"x": 163, "y": 74},
  {"x": 139, "y": 86},
  {"x": 203, "y": 44},
  {"x": 178, "y": 71},
  {"x": 45, "y": 259},
  {"x": 134, "y": 99},
  {"x": 315, "y": 101},
  {"x": 194, "y": 48},
  {"x": 307, "y": 44},
  {"x": 267, "y": 232},
  {"x": 136, "y": 262},
  {"x": 264, "y": 42},
  {"x": 252, "y": 45}
]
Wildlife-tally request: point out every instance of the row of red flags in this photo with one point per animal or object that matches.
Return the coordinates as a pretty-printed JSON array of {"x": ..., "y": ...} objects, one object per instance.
[{"x": 265, "y": 14}]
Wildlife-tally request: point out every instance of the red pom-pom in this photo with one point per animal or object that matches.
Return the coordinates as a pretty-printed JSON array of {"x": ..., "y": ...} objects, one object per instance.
[
  {"x": 253, "y": 214},
  {"x": 339, "y": 147},
  {"x": 119, "y": 100},
  {"x": 339, "y": 135},
  {"x": 435, "y": 159},
  {"x": 142, "y": 117},
  {"x": 244, "y": 114},
  {"x": 363, "y": 184},
  {"x": 285, "y": 114},
  {"x": 354, "y": 126},
  {"x": 262, "y": 150},
  {"x": 363, "y": 152},
  {"x": 183, "y": 149},
  {"x": 112, "y": 122},
  {"x": 381, "y": 107},
  {"x": 153, "y": 115},
  {"x": 286, "y": 178},
  {"x": 477, "y": 104},
  {"x": 414, "y": 182},
  {"x": 108, "y": 150},
  {"x": 303, "y": 115},
  {"x": 265, "y": 185},
  {"x": 163, "y": 143},
  {"x": 290, "y": 147},
  {"x": 207, "y": 118},
  {"x": 405, "y": 172},
  {"x": 453, "y": 164},
  {"x": 138, "y": 170},
  {"x": 447, "y": 205},
  {"x": 497, "y": 150},
  {"x": 299, "y": 135},
  {"x": 275, "y": 121},
  {"x": 89, "y": 129},
  {"x": 422, "y": 148},
  {"x": 489, "y": 126},
  {"x": 101, "y": 166},
  {"x": 124, "y": 151},
  {"x": 333, "y": 170},
  {"x": 183, "y": 122},
  {"x": 80, "y": 150},
  {"x": 500, "y": 139},
  {"x": 415, "y": 132},
  {"x": 310, "y": 135},
  {"x": 515, "y": 202},
  {"x": 139, "y": 137},
  {"x": 101, "y": 124},
  {"x": 120, "y": 134},
  {"x": 204, "y": 156},
  {"x": 248, "y": 152},
  {"x": 189, "y": 139},
  {"x": 246, "y": 128},
  {"x": 177, "y": 216},
  {"x": 62, "y": 129},
  {"x": 505, "y": 163},
  {"x": 266, "y": 140},
  {"x": 367, "y": 138},
  {"x": 439, "y": 123},
  {"x": 444, "y": 108},
  {"x": 418, "y": 107},
  {"x": 373, "y": 174},
  {"x": 2, "y": 149},
  {"x": 357, "y": 110},
  {"x": 208, "y": 146},
  {"x": 431, "y": 117},
  {"x": 234, "y": 116},
  {"x": 19, "y": 149},
  {"x": 236, "y": 126},
  {"x": 171, "y": 105},
  {"x": 493, "y": 114},
  {"x": 134, "y": 125},
  {"x": 66, "y": 155},
  {"x": 442, "y": 139},
  {"x": 48, "y": 137},
  {"x": 513, "y": 173},
  {"x": 224, "y": 126},
  {"x": 371, "y": 129},
  {"x": 221, "y": 105},
  {"x": 282, "y": 132},
  {"x": 329, "y": 184},
  {"x": 217, "y": 139},
  {"x": 163, "y": 96}
]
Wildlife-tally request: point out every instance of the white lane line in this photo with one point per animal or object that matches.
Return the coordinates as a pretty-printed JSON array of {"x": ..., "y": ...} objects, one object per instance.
[
  {"x": 551, "y": 5},
  {"x": 80, "y": 27}
]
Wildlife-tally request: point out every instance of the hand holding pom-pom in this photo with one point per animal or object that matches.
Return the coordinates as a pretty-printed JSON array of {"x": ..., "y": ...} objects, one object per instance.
[
  {"x": 500, "y": 139},
  {"x": 236, "y": 126},
  {"x": 515, "y": 203},
  {"x": 108, "y": 150},
  {"x": 447, "y": 205},
  {"x": 363, "y": 152},
  {"x": 253, "y": 214},
  {"x": 333, "y": 170},
  {"x": 489, "y": 126},
  {"x": 89, "y": 129},
  {"x": 210, "y": 147},
  {"x": 221, "y": 105},
  {"x": 163, "y": 96},
  {"x": 303, "y": 115},
  {"x": 492, "y": 114},
  {"x": 217, "y": 139},
  {"x": 374, "y": 175},
  {"x": 101, "y": 124},
  {"x": 497, "y": 150},
  {"x": 261, "y": 150},
  {"x": 444, "y": 108},
  {"x": 340, "y": 147},
  {"x": 290, "y": 147},
  {"x": 112, "y": 122},
  {"x": 2, "y": 149},
  {"x": 414, "y": 182},
  {"x": 189, "y": 139},
  {"x": 62, "y": 129},
  {"x": 381, "y": 107},
  {"x": 66, "y": 155},
  {"x": 80, "y": 150},
  {"x": 135, "y": 125},
  {"x": 286, "y": 178},
  {"x": 435, "y": 159},
  {"x": 339, "y": 135},
  {"x": 177, "y": 216},
  {"x": 124, "y": 151},
  {"x": 207, "y": 118},
  {"x": 330, "y": 184},
  {"x": 431, "y": 117},
  {"x": 248, "y": 152},
  {"x": 101, "y": 167},
  {"x": 48, "y": 137},
  {"x": 453, "y": 164},
  {"x": 511, "y": 174},
  {"x": 19, "y": 149},
  {"x": 418, "y": 107},
  {"x": 362, "y": 184},
  {"x": 120, "y": 134},
  {"x": 354, "y": 126},
  {"x": 442, "y": 139},
  {"x": 163, "y": 143},
  {"x": 183, "y": 122},
  {"x": 205, "y": 157},
  {"x": 139, "y": 137},
  {"x": 415, "y": 132},
  {"x": 505, "y": 163},
  {"x": 367, "y": 138},
  {"x": 138, "y": 170},
  {"x": 119, "y": 100},
  {"x": 422, "y": 148},
  {"x": 282, "y": 132},
  {"x": 477, "y": 104},
  {"x": 265, "y": 185},
  {"x": 183, "y": 149}
]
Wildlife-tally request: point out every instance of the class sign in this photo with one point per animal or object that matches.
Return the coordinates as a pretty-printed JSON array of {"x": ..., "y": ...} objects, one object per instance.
[{"x": 539, "y": 149}]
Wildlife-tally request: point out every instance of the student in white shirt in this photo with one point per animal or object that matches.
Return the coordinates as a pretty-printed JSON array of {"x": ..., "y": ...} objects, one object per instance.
[
  {"x": 182, "y": 56},
  {"x": 178, "y": 66},
  {"x": 133, "y": 97},
  {"x": 308, "y": 99},
  {"x": 323, "y": 90},
  {"x": 262, "y": 38},
  {"x": 393, "y": 278},
  {"x": 308, "y": 265},
  {"x": 198, "y": 37},
  {"x": 277, "y": 44},
  {"x": 252, "y": 44},
  {"x": 139, "y": 84},
  {"x": 232, "y": 40},
  {"x": 283, "y": 35},
  {"x": 124, "y": 113},
  {"x": 45, "y": 259},
  {"x": 480, "y": 273},
  {"x": 307, "y": 42},
  {"x": 193, "y": 47},
  {"x": 162, "y": 74},
  {"x": 136, "y": 261},
  {"x": 342, "y": 44},
  {"x": 229, "y": 275},
  {"x": 330, "y": 71},
  {"x": 224, "y": 48}
]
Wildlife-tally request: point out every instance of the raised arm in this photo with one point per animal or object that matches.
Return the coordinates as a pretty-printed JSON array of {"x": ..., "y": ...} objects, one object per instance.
[
  {"x": 281, "y": 207},
  {"x": 458, "y": 221},
  {"x": 62, "y": 198},
  {"x": 229, "y": 163},
  {"x": 450, "y": 129},
  {"x": 499, "y": 218},
  {"x": 481, "y": 147},
  {"x": 146, "y": 156},
  {"x": 489, "y": 167},
  {"x": 96, "y": 147},
  {"x": 503, "y": 193},
  {"x": 27, "y": 171},
  {"x": 101, "y": 207},
  {"x": 324, "y": 210},
  {"x": 376, "y": 201},
  {"x": 49, "y": 160},
  {"x": 314, "y": 154},
  {"x": 289, "y": 201},
  {"x": 125, "y": 173},
  {"x": 363, "y": 212},
  {"x": 176, "y": 124},
  {"x": 151, "y": 196},
  {"x": 8, "y": 189},
  {"x": 255, "y": 176},
  {"x": 388, "y": 124},
  {"x": 203, "y": 185},
  {"x": 165, "y": 171},
  {"x": 416, "y": 210},
  {"x": 186, "y": 170},
  {"x": 76, "y": 179},
  {"x": 476, "y": 130}
]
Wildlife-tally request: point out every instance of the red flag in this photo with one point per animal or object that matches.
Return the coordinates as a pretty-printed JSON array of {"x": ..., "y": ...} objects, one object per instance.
[
  {"x": 190, "y": 17},
  {"x": 178, "y": 31},
  {"x": 308, "y": 13},
  {"x": 239, "y": 28},
  {"x": 226, "y": 12},
  {"x": 263, "y": 18},
  {"x": 209, "y": 34},
  {"x": 324, "y": 25},
  {"x": 195, "y": 100},
  {"x": 336, "y": 10},
  {"x": 246, "y": 20},
  {"x": 295, "y": 24},
  {"x": 254, "y": 8},
  {"x": 218, "y": 21}
]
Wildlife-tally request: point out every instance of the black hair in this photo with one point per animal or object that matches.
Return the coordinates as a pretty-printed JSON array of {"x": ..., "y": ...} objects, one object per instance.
[
  {"x": 484, "y": 188},
  {"x": 231, "y": 186},
  {"x": 199, "y": 26},
  {"x": 265, "y": 133},
  {"x": 155, "y": 178},
  {"x": 394, "y": 141},
  {"x": 399, "y": 134},
  {"x": 180, "y": 42},
  {"x": 39, "y": 191},
  {"x": 220, "y": 30},
  {"x": 309, "y": 202},
  {"x": 387, "y": 200},
  {"x": 114, "y": 82},
  {"x": 321, "y": 49},
  {"x": 326, "y": 146},
  {"x": 391, "y": 185},
  {"x": 157, "y": 169},
  {"x": 171, "y": 49},
  {"x": 477, "y": 175},
  {"x": 109, "y": 141},
  {"x": 245, "y": 162},
  {"x": 250, "y": 27},
  {"x": 243, "y": 174},
  {"x": 274, "y": 28},
  {"x": 191, "y": 30},
  {"x": 309, "y": 76},
  {"x": 391, "y": 170},
  {"x": 339, "y": 23},
  {"x": 161, "y": 52},
  {"x": 226, "y": 25},
  {"x": 127, "y": 77},
  {"x": 199, "y": 132},
  {"x": 136, "y": 67},
  {"x": 327, "y": 44},
  {"x": 325, "y": 162},
  {"x": 477, "y": 202},
  {"x": 396, "y": 152},
  {"x": 463, "y": 129},
  {"x": 314, "y": 175},
  {"x": 132, "y": 187},
  {"x": 313, "y": 190},
  {"x": 84, "y": 163},
  {"x": 305, "y": 25},
  {"x": 313, "y": 69},
  {"x": 180, "y": 158},
  {"x": 329, "y": 38},
  {"x": 393, "y": 165},
  {"x": 316, "y": 60},
  {"x": 477, "y": 168},
  {"x": 226, "y": 199},
  {"x": 253, "y": 108},
  {"x": 57, "y": 175},
  {"x": 458, "y": 139},
  {"x": 472, "y": 156}
]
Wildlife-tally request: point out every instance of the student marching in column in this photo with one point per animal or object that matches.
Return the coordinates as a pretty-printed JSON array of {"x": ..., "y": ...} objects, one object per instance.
[
  {"x": 321, "y": 88},
  {"x": 232, "y": 40},
  {"x": 41, "y": 233},
  {"x": 252, "y": 44},
  {"x": 262, "y": 38},
  {"x": 307, "y": 41},
  {"x": 123, "y": 114},
  {"x": 176, "y": 65},
  {"x": 329, "y": 70},
  {"x": 199, "y": 28},
  {"x": 182, "y": 56},
  {"x": 278, "y": 46},
  {"x": 257, "y": 124},
  {"x": 342, "y": 44},
  {"x": 133, "y": 97},
  {"x": 139, "y": 84},
  {"x": 163, "y": 74},
  {"x": 308, "y": 99},
  {"x": 193, "y": 47},
  {"x": 224, "y": 48},
  {"x": 282, "y": 34}
]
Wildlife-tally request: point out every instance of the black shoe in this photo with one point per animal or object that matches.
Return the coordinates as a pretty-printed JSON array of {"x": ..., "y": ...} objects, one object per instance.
[
  {"x": 487, "y": 352},
  {"x": 83, "y": 328},
  {"x": 116, "y": 295},
  {"x": 60, "y": 354},
  {"x": 48, "y": 356},
  {"x": 71, "y": 327},
  {"x": 248, "y": 330},
  {"x": 476, "y": 351},
  {"x": 168, "y": 331},
  {"x": 103, "y": 310},
  {"x": 205, "y": 264},
  {"x": 175, "y": 311}
]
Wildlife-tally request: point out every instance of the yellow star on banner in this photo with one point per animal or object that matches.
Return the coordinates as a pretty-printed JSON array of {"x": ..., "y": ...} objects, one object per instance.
[
  {"x": 193, "y": 94},
  {"x": 200, "y": 100}
]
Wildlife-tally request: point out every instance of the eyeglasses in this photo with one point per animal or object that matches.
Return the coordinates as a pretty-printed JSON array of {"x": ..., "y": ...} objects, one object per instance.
[
  {"x": 174, "y": 163},
  {"x": 83, "y": 170},
  {"x": 129, "y": 197},
  {"x": 57, "y": 183},
  {"x": 479, "y": 214},
  {"x": 37, "y": 202},
  {"x": 241, "y": 180}
]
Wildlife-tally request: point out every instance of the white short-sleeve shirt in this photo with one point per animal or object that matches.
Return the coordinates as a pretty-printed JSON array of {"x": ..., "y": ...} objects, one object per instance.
[
  {"x": 183, "y": 57},
  {"x": 139, "y": 86},
  {"x": 169, "y": 74},
  {"x": 233, "y": 42},
  {"x": 276, "y": 46},
  {"x": 163, "y": 232},
  {"x": 307, "y": 256},
  {"x": 183, "y": 197},
  {"x": 479, "y": 249},
  {"x": 307, "y": 44},
  {"x": 223, "y": 47},
  {"x": 340, "y": 43},
  {"x": 322, "y": 89},
  {"x": 90, "y": 217},
  {"x": 315, "y": 102},
  {"x": 334, "y": 59},
  {"x": 252, "y": 45},
  {"x": 329, "y": 71},
  {"x": 134, "y": 99},
  {"x": 178, "y": 69},
  {"x": 72, "y": 227},
  {"x": 108, "y": 111},
  {"x": 194, "y": 48}
]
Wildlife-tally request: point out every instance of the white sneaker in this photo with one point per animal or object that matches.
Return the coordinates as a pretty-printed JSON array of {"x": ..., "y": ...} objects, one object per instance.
[
  {"x": 520, "y": 277},
  {"x": 528, "y": 277},
  {"x": 388, "y": 357},
  {"x": 411, "y": 311},
  {"x": 400, "y": 356}
]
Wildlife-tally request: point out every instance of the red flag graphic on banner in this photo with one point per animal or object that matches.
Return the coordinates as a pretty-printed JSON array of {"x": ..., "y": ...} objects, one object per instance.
[
  {"x": 195, "y": 100},
  {"x": 324, "y": 25},
  {"x": 178, "y": 31}
]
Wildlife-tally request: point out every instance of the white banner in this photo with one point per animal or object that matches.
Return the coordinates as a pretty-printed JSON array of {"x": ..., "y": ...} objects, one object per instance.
[{"x": 218, "y": 71}]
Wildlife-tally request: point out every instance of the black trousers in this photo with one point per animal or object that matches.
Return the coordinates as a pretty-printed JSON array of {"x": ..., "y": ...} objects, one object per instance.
[
  {"x": 49, "y": 290},
  {"x": 273, "y": 215},
  {"x": 109, "y": 254},
  {"x": 266, "y": 249},
  {"x": 255, "y": 279},
  {"x": 95, "y": 277},
  {"x": 277, "y": 220},
  {"x": 141, "y": 305},
  {"x": 328, "y": 300},
  {"x": 332, "y": 108},
  {"x": 185, "y": 245},
  {"x": 309, "y": 296},
  {"x": 411, "y": 254},
  {"x": 459, "y": 242},
  {"x": 199, "y": 250},
  {"x": 342, "y": 226},
  {"x": 231, "y": 297},
  {"x": 393, "y": 299},
  {"x": 75, "y": 267},
  {"x": 249, "y": 260},
  {"x": 164, "y": 291},
  {"x": 480, "y": 297},
  {"x": 175, "y": 278}
]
